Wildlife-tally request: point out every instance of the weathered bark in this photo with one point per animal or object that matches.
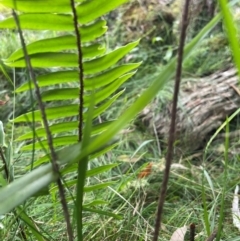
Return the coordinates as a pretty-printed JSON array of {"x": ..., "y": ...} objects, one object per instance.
[{"x": 203, "y": 106}]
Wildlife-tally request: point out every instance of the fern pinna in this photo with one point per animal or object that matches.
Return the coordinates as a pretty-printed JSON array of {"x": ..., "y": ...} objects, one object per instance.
[{"x": 78, "y": 79}]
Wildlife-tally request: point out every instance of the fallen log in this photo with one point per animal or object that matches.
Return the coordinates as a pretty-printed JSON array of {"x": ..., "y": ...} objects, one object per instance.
[{"x": 203, "y": 105}]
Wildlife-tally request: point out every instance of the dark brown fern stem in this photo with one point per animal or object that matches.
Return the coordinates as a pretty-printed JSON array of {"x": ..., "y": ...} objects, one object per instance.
[
  {"x": 53, "y": 154},
  {"x": 80, "y": 69},
  {"x": 192, "y": 232},
  {"x": 171, "y": 138}
]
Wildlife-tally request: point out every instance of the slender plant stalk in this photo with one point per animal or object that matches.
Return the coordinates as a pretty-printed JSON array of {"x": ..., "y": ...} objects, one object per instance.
[
  {"x": 205, "y": 210},
  {"x": 82, "y": 168},
  {"x": 171, "y": 138},
  {"x": 223, "y": 199},
  {"x": 9, "y": 179},
  {"x": 53, "y": 154},
  {"x": 5, "y": 166}
]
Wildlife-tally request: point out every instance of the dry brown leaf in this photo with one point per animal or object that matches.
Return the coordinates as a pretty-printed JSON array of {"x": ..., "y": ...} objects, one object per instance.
[
  {"x": 3, "y": 102},
  {"x": 146, "y": 171},
  {"x": 179, "y": 234}
]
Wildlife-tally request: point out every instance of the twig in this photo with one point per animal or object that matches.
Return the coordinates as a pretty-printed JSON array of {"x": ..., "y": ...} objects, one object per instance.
[
  {"x": 212, "y": 236},
  {"x": 171, "y": 138},
  {"x": 157, "y": 139},
  {"x": 53, "y": 154}
]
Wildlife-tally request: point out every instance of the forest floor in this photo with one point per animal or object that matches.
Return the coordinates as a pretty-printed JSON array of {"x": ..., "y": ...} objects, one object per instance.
[{"x": 202, "y": 183}]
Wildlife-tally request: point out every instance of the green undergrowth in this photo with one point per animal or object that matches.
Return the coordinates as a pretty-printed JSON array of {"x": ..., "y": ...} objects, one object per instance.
[
  {"x": 12, "y": 78},
  {"x": 134, "y": 199},
  {"x": 211, "y": 56}
]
